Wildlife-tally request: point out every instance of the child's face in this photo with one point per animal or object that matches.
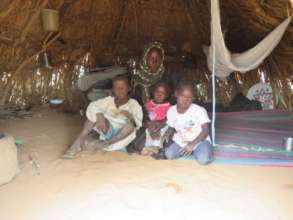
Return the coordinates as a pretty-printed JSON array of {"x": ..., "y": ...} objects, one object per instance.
[
  {"x": 184, "y": 98},
  {"x": 160, "y": 94},
  {"x": 120, "y": 89}
]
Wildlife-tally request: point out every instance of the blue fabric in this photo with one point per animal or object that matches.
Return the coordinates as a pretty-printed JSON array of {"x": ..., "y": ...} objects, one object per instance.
[
  {"x": 203, "y": 153},
  {"x": 110, "y": 133}
]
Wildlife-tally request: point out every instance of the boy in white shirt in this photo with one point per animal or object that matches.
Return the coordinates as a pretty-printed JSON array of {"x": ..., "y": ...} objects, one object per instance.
[
  {"x": 115, "y": 118},
  {"x": 188, "y": 127}
]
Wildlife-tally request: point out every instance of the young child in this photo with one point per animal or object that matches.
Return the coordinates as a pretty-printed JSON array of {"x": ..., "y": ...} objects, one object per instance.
[
  {"x": 115, "y": 118},
  {"x": 157, "y": 110},
  {"x": 188, "y": 127}
]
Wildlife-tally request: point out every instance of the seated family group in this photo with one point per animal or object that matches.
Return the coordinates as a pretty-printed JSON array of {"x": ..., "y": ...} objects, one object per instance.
[{"x": 146, "y": 117}]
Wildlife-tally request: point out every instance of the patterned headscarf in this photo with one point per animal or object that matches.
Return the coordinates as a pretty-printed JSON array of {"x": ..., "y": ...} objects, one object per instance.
[{"x": 144, "y": 77}]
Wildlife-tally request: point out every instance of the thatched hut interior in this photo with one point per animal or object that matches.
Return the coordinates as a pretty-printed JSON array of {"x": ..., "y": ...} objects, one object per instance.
[
  {"x": 46, "y": 46},
  {"x": 116, "y": 31}
]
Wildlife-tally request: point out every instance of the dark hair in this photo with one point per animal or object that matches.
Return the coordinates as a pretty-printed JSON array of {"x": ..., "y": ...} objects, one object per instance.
[
  {"x": 184, "y": 84},
  {"x": 164, "y": 85},
  {"x": 121, "y": 78}
]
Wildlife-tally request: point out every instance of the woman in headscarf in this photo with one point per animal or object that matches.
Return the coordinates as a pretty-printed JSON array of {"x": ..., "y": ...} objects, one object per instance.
[{"x": 150, "y": 72}]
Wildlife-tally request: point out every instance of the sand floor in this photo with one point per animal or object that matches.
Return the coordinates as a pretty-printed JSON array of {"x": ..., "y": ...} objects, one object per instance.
[{"x": 114, "y": 185}]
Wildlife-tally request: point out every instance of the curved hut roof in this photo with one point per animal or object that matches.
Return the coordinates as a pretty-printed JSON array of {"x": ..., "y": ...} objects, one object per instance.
[{"x": 95, "y": 33}]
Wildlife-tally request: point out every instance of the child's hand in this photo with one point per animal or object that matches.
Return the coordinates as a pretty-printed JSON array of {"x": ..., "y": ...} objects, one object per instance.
[
  {"x": 151, "y": 126},
  {"x": 128, "y": 116},
  {"x": 187, "y": 150},
  {"x": 168, "y": 135},
  {"x": 155, "y": 135},
  {"x": 101, "y": 123},
  {"x": 155, "y": 126}
]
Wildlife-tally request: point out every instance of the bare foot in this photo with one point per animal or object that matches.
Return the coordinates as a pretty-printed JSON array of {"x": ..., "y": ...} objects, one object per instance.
[
  {"x": 89, "y": 143},
  {"x": 92, "y": 144},
  {"x": 147, "y": 151},
  {"x": 72, "y": 151}
]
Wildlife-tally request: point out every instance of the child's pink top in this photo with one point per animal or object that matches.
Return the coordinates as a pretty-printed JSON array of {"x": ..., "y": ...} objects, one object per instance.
[{"x": 157, "y": 112}]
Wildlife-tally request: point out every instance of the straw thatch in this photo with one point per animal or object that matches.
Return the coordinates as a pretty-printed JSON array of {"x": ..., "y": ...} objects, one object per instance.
[{"x": 95, "y": 33}]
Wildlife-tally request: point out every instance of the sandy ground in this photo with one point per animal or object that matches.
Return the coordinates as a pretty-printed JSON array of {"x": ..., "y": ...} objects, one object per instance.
[{"x": 114, "y": 185}]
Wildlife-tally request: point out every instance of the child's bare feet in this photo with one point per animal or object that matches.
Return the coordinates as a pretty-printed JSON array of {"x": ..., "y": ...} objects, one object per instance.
[
  {"x": 92, "y": 144},
  {"x": 147, "y": 151},
  {"x": 72, "y": 151}
]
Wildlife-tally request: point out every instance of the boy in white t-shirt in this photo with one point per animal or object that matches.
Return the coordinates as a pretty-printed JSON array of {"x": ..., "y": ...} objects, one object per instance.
[{"x": 188, "y": 127}]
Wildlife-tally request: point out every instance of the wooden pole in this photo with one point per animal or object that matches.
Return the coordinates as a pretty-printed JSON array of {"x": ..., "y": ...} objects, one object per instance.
[
  {"x": 120, "y": 23},
  {"x": 31, "y": 21}
]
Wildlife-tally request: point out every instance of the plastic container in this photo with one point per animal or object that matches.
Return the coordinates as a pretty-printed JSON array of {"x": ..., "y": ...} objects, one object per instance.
[
  {"x": 50, "y": 19},
  {"x": 55, "y": 104}
]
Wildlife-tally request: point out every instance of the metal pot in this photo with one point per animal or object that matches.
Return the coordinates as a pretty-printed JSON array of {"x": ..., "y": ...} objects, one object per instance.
[{"x": 288, "y": 142}]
